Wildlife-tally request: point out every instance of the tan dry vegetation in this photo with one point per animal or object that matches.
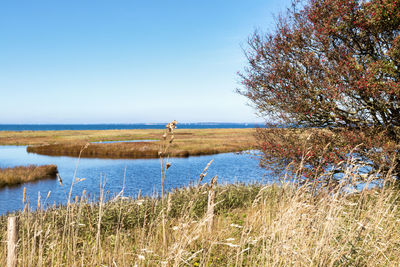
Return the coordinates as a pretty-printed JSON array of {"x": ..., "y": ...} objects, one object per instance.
[
  {"x": 24, "y": 174},
  {"x": 52, "y": 137},
  {"x": 188, "y": 142},
  {"x": 256, "y": 225}
]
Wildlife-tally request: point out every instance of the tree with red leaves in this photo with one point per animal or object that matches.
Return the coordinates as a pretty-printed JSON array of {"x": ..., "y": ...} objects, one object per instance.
[{"x": 331, "y": 64}]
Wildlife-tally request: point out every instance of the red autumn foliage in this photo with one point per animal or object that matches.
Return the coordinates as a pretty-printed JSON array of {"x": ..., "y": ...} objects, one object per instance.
[{"x": 333, "y": 65}]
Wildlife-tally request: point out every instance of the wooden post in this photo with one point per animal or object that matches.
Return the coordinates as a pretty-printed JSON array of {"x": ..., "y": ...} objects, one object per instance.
[
  {"x": 12, "y": 239},
  {"x": 210, "y": 209}
]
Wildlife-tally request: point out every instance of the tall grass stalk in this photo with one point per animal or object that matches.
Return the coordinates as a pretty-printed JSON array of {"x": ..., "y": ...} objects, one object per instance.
[{"x": 163, "y": 154}]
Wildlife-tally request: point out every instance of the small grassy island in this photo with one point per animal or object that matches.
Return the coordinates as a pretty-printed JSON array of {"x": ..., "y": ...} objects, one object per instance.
[{"x": 23, "y": 174}]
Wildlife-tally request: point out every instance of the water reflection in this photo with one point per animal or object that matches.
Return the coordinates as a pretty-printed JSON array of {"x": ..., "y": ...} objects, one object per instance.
[{"x": 141, "y": 174}]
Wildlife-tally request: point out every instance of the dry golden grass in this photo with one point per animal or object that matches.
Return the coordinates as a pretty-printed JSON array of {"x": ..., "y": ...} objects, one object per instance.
[
  {"x": 23, "y": 174},
  {"x": 187, "y": 142},
  {"x": 254, "y": 225},
  {"x": 51, "y": 137}
]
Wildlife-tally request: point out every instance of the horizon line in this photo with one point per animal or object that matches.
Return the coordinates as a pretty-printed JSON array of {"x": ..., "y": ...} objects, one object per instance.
[{"x": 133, "y": 123}]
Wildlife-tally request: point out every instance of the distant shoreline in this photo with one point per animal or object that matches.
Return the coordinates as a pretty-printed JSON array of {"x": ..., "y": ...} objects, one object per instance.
[{"x": 127, "y": 126}]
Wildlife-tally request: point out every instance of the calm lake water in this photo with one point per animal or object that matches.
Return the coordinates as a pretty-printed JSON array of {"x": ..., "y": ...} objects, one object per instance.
[{"x": 141, "y": 174}]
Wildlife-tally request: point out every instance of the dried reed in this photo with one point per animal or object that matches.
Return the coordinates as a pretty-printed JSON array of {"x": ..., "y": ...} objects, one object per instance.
[{"x": 23, "y": 174}]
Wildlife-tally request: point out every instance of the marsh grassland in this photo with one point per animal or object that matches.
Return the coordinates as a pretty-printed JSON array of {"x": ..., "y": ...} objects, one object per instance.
[
  {"x": 255, "y": 225},
  {"x": 188, "y": 142},
  {"x": 23, "y": 174}
]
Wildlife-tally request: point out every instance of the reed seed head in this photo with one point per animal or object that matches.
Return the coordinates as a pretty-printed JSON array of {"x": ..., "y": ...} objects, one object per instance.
[
  {"x": 171, "y": 126},
  {"x": 213, "y": 181},
  {"x": 86, "y": 145},
  {"x": 59, "y": 179},
  {"x": 168, "y": 165}
]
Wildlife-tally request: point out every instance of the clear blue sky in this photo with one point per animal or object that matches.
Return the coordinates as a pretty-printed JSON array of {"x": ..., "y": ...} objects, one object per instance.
[{"x": 94, "y": 61}]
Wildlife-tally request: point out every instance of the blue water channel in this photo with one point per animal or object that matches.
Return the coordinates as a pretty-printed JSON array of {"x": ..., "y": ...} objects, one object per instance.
[{"x": 140, "y": 174}]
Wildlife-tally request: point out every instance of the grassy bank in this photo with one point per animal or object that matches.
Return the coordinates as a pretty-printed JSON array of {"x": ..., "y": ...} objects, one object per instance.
[
  {"x": 23, "y": 174},
  {"x": 187, "y": 142},
  {"x": 254, "y": 225}
]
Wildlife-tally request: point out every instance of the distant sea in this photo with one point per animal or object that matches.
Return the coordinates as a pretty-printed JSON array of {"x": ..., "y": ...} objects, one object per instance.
[{"x": 61, "y": 127}]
